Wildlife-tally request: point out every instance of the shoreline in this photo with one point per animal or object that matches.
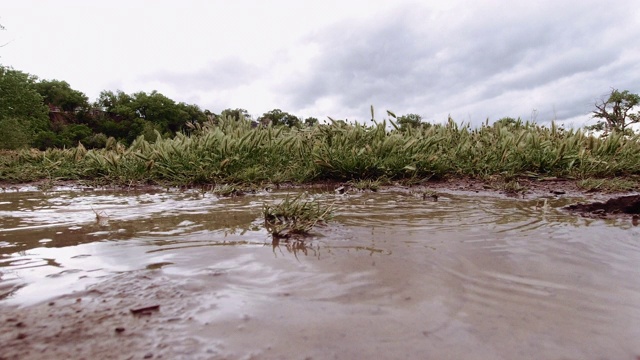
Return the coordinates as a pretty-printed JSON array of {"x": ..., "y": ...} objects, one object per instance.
[{"x": 516, "y": 188}]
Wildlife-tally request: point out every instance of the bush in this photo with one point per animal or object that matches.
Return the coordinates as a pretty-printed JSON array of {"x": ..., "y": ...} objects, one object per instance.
[{"x": 15, "y": 133}]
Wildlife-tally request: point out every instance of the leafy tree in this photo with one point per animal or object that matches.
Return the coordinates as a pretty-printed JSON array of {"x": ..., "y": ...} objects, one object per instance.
[
  {"x": 128, "y": 116},
  {"x": 615, "y": 112},
  {"x": 159, "y": 110},
  {"x": 21, "y": 103},
  {"x": 60, "y": 94},
  {"x": 412, "y": 121},
  {"x": 47, "y": 139},
  {"x": 164, "y": 113},
  {"x": 68, "y": 136},
  {"x": 118, "y": 104},
  {"x": 111, "y": 127},
  {"x": 278, "y": 117},
  {"x": 509, "y": 122},
  {"x": 117, "y": 118},
  {"x": 311, "y": 121},
  {"x": 238, "y": 114},
  {"x": 95, "y": 141},
  {"x": 15, "y": 133},
  {"x": 193, "y": 113},
  {"x": 73, "y": 134}
]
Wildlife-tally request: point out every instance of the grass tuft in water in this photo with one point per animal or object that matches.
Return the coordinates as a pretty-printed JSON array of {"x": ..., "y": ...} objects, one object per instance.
[
  {"x": 295, "y": 216},
  {"x": 367, "y": 184},
  {"x": 429, "y": 194},
  {"x": 227, "y": 190}
]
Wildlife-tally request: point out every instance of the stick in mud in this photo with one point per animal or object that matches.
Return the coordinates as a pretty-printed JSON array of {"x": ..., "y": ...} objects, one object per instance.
[{"x": 145, "y": 310}]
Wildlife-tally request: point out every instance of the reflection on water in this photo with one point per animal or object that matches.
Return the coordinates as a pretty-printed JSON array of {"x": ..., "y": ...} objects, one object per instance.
[{"x": 463, "y": 277}]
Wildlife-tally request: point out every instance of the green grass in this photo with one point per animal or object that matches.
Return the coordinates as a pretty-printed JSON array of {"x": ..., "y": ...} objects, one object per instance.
[
  {"x": 366, "y": 184},
  {"x": 295, "y": 216},
  {"x": 609, "y": 185},
  {"x": 227, "y": 190},
  {"x": 232, "y": 152}
]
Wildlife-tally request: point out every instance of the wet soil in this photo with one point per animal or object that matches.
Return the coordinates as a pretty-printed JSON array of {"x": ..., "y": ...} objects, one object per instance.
[
  {"x": 98, "y": 323},
  {"x": 618, "y": 205},
  {"x": 528, "y": 187}
]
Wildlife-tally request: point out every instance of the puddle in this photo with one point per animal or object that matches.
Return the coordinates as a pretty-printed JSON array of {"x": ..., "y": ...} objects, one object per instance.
[{"x": 393, "y": 276}]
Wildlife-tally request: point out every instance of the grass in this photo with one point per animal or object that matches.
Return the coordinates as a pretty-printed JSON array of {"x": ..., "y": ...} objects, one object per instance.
[
  {"x": 295, "y": 216},
  {"x": 367, "y": 184},
  {"x": 609, "y": 185},
  {"x": 232, "y": 152},
  {"x": 429, "y": 194},
  {"x": 506, "y": 185},
  {"x": 227, "y": 190}
]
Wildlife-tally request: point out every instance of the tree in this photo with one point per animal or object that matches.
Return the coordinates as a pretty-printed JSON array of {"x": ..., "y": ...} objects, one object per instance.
[
  {"x": 159, "y": 110},
  {"x": 15, "y": 134},
  {"x": 193, "y": 113},
  {"x": 238, "y": 114},
  {"x": 311, "y": 121},
  {"x": 128, "y": 116},
  {"x": 412, "y": 121},
  {"x": 509, "y": 122},
  {"x": 118, "y": 104},
  {"x": 60, "y": 94},
  {"x": 21, "y": 104},
  {"x": 615, "y": 112},
  {"x": 278, "y": 117}
]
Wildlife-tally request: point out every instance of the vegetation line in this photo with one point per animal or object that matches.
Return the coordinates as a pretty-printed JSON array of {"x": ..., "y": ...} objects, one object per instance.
[
  {"x": 232, "y": 151},
  {"x": 50, "y": 132}
]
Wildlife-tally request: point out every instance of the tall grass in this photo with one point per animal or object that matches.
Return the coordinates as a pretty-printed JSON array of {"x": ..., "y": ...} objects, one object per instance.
[{"x": 234, "y": 152}]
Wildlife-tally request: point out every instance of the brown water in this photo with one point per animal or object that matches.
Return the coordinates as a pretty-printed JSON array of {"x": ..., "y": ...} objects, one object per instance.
[{"x": 394, "y": 276}]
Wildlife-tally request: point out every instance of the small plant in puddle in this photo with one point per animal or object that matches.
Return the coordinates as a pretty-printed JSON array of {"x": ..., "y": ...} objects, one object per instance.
[
  {"x": 295, "y": 216},
  {"x": 513, "y": 187},
  {"x": 430, "y": 195},
  {"x": 46, "y": 185},
  {"x": 101, "y": 217},
  {"x": 227, "y": 190}
]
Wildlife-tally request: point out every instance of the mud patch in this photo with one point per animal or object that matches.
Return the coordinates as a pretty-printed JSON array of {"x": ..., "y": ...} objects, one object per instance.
[
  {"x": 104, "y": 322},
  {"x": 615, "y": 206}
]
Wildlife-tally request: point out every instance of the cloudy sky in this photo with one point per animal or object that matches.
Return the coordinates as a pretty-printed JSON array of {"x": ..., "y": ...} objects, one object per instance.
[{"x": 474, "y": 60}]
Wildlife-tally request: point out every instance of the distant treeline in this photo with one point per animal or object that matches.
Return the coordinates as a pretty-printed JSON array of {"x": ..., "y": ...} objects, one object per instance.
[
  {"x": 50, "y": 114},
  {"x": 47, "y": 114}
]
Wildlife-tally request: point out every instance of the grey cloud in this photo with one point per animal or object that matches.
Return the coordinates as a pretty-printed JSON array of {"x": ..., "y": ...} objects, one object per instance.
[
  {"x": 227, "y": 73},
  {"x": 404, "y": 61}
]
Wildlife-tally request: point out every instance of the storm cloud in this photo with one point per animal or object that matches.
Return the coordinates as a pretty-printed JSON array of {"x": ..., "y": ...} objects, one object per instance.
[
  {"x": 473, "y": 60},
  {"x": 488, "y": 60}
]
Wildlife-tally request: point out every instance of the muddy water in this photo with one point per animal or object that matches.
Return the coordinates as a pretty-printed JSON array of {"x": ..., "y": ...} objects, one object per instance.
[{"x": 394, "y": 276}]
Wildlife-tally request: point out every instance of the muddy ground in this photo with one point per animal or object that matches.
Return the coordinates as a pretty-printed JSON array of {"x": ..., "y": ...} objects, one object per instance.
[
  {"x": 98, "y": 323},
  {"x": 529, "y": 188},
  {"x": 102, "y": 322}
]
